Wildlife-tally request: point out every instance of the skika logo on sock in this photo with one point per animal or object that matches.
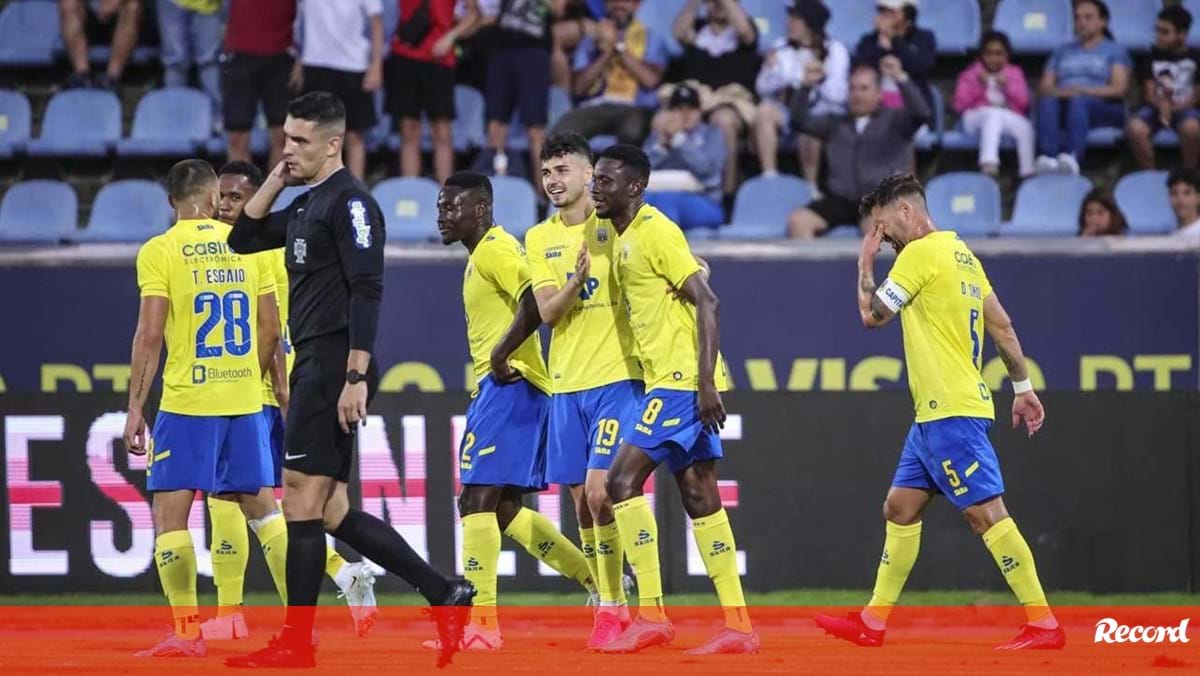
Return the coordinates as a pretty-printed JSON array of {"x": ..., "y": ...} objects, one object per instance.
[
  {"x": 718, "y": 548},
  {"x": 225, "y": 549},
  {"x": 588, "y": 550},
  {"x": 883, "y": 560},
  {"x": 544, "y": 548},
  {"x": 166, "y": 557},
  {"x": 1008, "y": 564},
  {"x": 1109, "y": 630},
  {"x": 643, "y": 538},
  {"x": 604, "y": 548},
  {"x": 472, "y": 564}
]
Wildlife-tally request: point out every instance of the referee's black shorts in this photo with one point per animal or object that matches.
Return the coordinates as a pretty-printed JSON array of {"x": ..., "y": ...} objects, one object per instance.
[{"x": 313, "y": 442}]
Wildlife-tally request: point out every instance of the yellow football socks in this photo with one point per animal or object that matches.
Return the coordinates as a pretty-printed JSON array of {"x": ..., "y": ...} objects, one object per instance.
[
  {"x": 639, "y": 537},
  {"x": 1015, "y": 560},
  {"x": 900, "y": 549},
  {"x": 542, "y": 539},
  {"x": 230, "y": 553},
  {"x": 480, "y": 556},
  {"x": 610, "y": 564},
  {"x": 587, "y": 545},
  {"x": 175, "y": 556},
  {"x": 272, "y": 535},
  {"x": 714, "y": 537}
]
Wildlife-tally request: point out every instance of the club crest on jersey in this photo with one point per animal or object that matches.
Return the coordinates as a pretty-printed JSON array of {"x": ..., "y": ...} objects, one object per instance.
[
  {"x": 602, "y": 235},
  {"x": 358, "y": 220},
  {"x": 300, "y": 249}
]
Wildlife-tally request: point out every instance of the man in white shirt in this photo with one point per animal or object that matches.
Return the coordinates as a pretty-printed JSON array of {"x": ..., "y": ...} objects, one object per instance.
[
  {"x": 1184, "y": 187},
  {"x": 342, "y": 53}
]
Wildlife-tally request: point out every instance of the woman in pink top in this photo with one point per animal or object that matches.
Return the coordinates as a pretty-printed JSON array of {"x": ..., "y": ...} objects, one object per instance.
[{"x": 992, "y": 97}]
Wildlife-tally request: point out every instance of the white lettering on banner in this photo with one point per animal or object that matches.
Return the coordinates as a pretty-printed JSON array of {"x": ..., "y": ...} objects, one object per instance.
[
  {"x": 400, "y": 505},
  {"x": 1108, "y": 630},
  {"x": 507, "y": 565},
  {"x": 25, "y": 494},
  {"x": 729, "y": 499},
  {"x": 103, "y": 444}
]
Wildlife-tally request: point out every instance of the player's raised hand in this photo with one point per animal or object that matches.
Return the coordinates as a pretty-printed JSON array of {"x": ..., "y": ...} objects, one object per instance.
[
  {"x": 135, "y": 433},
  {"x": 1029, "y": 408},
  {"x": 352, "y": 406},
  {"x": 871, "y": 244},
  {"x": 712, "y": 409},
  {"x": 583, "y": 264}
]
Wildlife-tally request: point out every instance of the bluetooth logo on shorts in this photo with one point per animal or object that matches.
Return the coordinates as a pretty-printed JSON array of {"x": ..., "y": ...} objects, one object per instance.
[
  {"x": 718, "y": 548},
  {"x": 643, "y": 538},
  {"x": 472, "y": 565}
]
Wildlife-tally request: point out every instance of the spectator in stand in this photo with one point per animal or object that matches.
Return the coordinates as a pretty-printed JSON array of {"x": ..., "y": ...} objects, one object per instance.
[
  {"x": 190, "y": 34},
  {"x": 1083, "y": 86},
  {"x": 519, "y": 75},
  {"x": 993, "y": 98},
  {"x": 1168, "y": 77},
  {"x": 896, "y": 34},
  {"x": 862, "y": 147},
  {"x": 720, "y": 60},
  {"x": 420, "y": 79},
  {"x": 687, "y": 156},
  {"x": 806, "y": 46},
  {"x": 85, "y": 22},
  {"x": 1099, "y": 216},
  {"x": 256, "y": 68},
  {"x": 1184, "y": 187},
  {"x": 616, "y": 72},
  {"x": 576, "y": 23},
  {"x": 342, "y": 53}
]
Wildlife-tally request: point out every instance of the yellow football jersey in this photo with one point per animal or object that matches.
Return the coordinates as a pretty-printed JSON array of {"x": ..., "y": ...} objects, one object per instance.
[
  {"x": 212, "y": 357},
  {"x": 493, "y": 281},
  {"x": 943, "y": 327},
  {"x": 592, "y": 346},
  {"x": 279, "y": 272},
  {"x": 652, "y": 256}
]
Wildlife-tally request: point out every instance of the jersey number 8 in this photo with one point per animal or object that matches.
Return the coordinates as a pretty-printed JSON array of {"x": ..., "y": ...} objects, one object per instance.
[{"x": 234, "y": 309}]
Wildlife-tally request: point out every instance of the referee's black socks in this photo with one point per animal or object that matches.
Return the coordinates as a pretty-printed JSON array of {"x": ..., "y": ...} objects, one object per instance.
[
  {"x": 305, "y": 568},
  {"x": 381, "y": 543}
]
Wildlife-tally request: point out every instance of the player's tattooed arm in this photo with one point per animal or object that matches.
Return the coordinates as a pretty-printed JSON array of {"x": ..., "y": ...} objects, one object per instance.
[
  {"x": 143, "y": 364},
  {"x": 1000, "y": 327},
  {"x": 524, "y": 324},
  {"x": 871, "y": 309}
]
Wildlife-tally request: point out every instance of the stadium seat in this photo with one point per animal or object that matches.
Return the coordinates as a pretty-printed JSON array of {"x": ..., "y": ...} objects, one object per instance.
[
  {"x": 770, "y": 17},
  {"x": 1144, "y": 198},
  {"x": 1047, "y": 205},
  {"x": 659, "y": 15},
  {"x": 132, "y": 210},
  {"x": 1193, "y": 6},
  {"x": 849, "y": 20},
  {"x": 844, "y": 231},
  {"x": 515, "y": 204},
  {"x": 1132, "y": 23},
  {"x": 963, "y": 201},
  {"x": 930, "y": 138},
  {"x": 1105, "y": 137},
  {"x": 79, "y": 122},
  {"x": 169, "y": 122},
  {"x": 15, "y": 121},
  {"x": 98, "y": 55},
  {"x": 762, "y": 206},
  {"x": 29, "y": 34},
  {"x": 409, "y": 207},
  {"x": 284, "y": 199},
  {"x": 955, "y": 23},
  {"x": 391, "y": 18},
  {"x": 260, "y": 140},
  {"x": 38, "y": 211},
  {"x": 1035, "y": 26}
]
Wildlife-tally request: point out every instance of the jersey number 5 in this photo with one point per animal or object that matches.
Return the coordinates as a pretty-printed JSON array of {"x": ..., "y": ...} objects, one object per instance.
[{"x": 234, "y": 309}]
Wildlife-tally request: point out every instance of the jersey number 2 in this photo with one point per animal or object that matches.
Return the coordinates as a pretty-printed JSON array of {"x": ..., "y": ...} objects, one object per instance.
[{"x": 234, "y": 309}]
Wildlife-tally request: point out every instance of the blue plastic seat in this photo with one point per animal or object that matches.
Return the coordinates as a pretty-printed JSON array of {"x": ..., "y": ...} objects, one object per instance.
[
  {"x": 284, "y": 199},
  {"x": 599, "y": 143},
  {"x": 956, "y": 23},
  {"x": 1105, "y": 137},
  {"x": 132, "y": 210},
  {"x": 1144, "y": 198},
  {"x": 1193, "y": 6},
  {"x": 1047, "y": 205},
  {"x": 964, "y": 201},
  {"x": 849, "y": 20},
  {"x": 79, "y": 122},
  {"x": 1035, "y": 26},
  {"x": 38, "y": 211},
  {"x": 770, "y": 17},
  {"x": 515, "y": 204},
  {"x": 409, "y": 208},
  {"x": 659, "y": 16},
  {"x": 762, "y": 206},
  {"x": 170, "y": 122},
  {"x": 1132, "y": 23},
  {"x": 15, "y": 121},
  {"x": 29, "y": 34}
]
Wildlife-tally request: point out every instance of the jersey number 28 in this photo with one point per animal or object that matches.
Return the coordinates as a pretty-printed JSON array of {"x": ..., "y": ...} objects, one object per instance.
[{"x": 234, "y": 309}]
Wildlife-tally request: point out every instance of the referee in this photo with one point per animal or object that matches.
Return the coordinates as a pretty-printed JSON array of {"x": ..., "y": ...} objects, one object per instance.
[{"x": 333, "y": 238}]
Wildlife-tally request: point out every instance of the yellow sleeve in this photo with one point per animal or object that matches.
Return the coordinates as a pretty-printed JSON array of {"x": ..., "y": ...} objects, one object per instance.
[
  {"x": 152, "y": 269},
  {"x": 507, "y": 268},
  {"x": 266, "y": 272},
  {"x": 670, "y": 252},
  {"x": 911, "y": 270},
  {"x": 540, "y": 273}
]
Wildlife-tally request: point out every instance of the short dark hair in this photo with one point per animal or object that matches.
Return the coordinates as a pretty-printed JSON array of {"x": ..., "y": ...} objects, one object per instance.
[
  {"x": 630, "y": 156},
  {"x": 1177, "y": 16},
  {"x": 889, "y": 190},
  {"x": 1105, "y": 199},
  {"x": 242, "y": 168},
  {"x": 188, "y": 178},
  {"x": 470, "y": 180},
  {"x": 568, "y": 143},
  {"x": 1188, "y": 176},
  {"x": 995, "y": 36},
  {"x": 867, "y": 65},
  {"x": 1102, "y": 8},
  {"x": 320, "y": 107}
]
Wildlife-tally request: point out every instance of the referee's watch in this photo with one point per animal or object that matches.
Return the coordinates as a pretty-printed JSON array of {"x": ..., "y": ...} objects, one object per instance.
[{"x": 355, "y": 377}]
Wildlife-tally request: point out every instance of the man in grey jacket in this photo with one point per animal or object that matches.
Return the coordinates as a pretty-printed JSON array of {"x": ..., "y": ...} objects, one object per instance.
[
  {"x": 862, "y": 147},
  {"x": 687, "y": 156}
]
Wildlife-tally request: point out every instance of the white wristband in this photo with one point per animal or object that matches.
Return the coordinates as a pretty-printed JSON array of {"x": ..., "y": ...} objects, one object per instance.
[{"x": 1022, "y": 386}]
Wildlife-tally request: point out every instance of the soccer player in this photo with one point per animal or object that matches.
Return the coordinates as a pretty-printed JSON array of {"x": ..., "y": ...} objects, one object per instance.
[
  {"x": 334, "y": 248},
  {"x": 945, "y": 302},
  {"x": 596, "y": 381},
  {"x": 503, "y": 451},
  {"x": 673, "y": 314},
  {"x": 216, "y": 311},
  {"x": 238, "y": 181}
]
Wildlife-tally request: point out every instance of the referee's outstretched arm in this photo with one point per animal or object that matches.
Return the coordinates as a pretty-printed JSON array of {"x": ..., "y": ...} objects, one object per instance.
[{"x": 257, "y": 229}]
